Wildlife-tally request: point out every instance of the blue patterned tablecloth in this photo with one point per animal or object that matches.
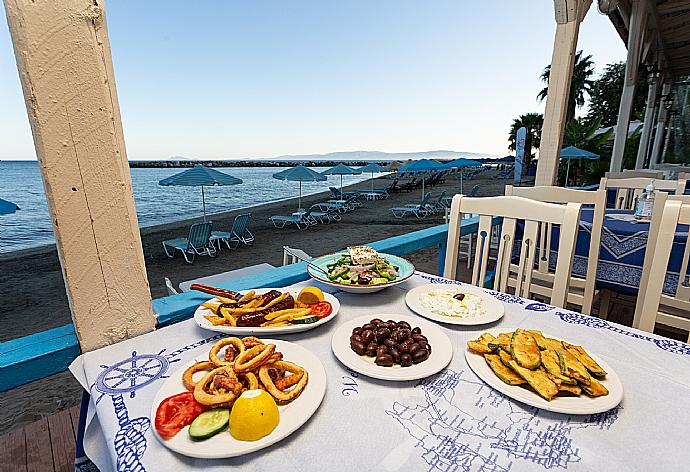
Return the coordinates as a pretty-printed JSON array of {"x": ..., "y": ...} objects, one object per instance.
[{"x": 451, "y": 421}]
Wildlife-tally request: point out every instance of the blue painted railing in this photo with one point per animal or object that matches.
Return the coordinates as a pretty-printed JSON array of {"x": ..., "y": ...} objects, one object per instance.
[{"x": 39, "y": 355}]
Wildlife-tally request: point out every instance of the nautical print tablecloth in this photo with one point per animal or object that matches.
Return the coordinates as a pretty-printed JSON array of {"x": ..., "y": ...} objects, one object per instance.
[{"x": 451, "y": 421}]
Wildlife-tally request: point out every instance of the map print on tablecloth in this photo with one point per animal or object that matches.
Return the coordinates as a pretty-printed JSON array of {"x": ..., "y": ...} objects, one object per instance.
[{"x": 468, "y": 438}]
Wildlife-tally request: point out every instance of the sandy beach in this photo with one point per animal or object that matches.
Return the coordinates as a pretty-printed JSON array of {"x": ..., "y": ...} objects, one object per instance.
[{"x": 32, "y": 293}]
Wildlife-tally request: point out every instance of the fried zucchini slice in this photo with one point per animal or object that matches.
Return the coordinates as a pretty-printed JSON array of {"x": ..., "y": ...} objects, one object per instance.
[
  {"x": 480, "y": 345},
  {"x": 573, "y": 368},
  {"x": 538, "y": 380},
  {"x": 582, "y": 356},
  {"x": 524, "y": 349},
  {"x": 550, "y": 361},
  {"x": 595, "y": 388},
  {"x": 543, "y": 342},
  {"x": 505, "y": 357},
  {"x": 502, "y": 341},
  {"x": 569, "y": 389},
  {"x": 506, "y": 374}
]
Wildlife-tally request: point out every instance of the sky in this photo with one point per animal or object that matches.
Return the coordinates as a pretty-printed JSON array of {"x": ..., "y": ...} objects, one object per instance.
[{"x": 237, "y": 79}]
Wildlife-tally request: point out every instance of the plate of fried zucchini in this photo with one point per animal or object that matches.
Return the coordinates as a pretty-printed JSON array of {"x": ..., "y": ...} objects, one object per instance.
[{"x": 544, "y": 371}]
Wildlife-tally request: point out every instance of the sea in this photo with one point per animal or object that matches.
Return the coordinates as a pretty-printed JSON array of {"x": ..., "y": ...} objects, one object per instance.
[{"x": 20, "y": 182}]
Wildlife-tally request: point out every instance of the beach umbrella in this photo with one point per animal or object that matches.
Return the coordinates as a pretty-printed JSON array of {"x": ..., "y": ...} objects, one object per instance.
[
  {"x": 372, "y": 168},
  {"x": 422, "y": 166},
  {"x": 300, "y": 174},
  {"x": 7, "y": 208},
  {"x": 573, "y": 153},
  {"x": 341, "y": 169},
  {"x": 461, "y": 163},
  {"x": 200, "y": 176}
]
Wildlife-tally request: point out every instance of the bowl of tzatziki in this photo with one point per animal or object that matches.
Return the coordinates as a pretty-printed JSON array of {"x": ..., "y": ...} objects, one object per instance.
[{"x": 460, "y": 304}]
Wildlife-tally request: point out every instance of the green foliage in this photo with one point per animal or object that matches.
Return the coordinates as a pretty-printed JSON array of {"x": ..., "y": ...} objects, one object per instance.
[
  {"x": 533, "y": 122},
  {"x": 580, "y": 85},
  {"x": 580, "y": 133},
  {"x": 605, "y": 95}
]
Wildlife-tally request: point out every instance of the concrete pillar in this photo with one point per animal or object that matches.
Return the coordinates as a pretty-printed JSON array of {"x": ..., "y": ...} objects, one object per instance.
[
  {"x": 636, "y": 36},
  {"x": 569, "y": 15},
  {"x": 653, "y": 80},
  {"x": 660, "y": 125},
  {"x": 65, "y": 67}
]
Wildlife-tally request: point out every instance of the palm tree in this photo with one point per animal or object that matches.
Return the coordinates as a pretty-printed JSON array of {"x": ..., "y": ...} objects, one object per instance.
[
  {"x": 533, "y": 122},
  {"x": 580, "y": 85}
]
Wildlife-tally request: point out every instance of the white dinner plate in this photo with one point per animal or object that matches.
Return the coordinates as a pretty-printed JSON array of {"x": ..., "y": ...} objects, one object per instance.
[
  {"x": 582, "y": 405},
  {"x": 263, "y": 331},
  {"x": 441, "y": 350},
  {"x": 292, "y": 416},
  {"x": 494, "y": 308}
]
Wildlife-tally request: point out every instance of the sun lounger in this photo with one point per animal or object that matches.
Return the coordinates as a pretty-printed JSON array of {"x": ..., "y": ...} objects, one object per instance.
[
  {"x": 335, "y": 193},
  {"x": 197, "y": 244},
  {"x": 419, "y": 210},
  {"x": 302, "y": 221},
  {"x": 239, "y": 233},
  {"x": 438, "y": 204},
  {"x": 326, "y": 217}
]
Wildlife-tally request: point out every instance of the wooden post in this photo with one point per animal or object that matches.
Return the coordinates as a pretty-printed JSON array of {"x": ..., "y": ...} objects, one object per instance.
[
  {"x": 569, "y": 15},
  {"x": 65, "y": 67},
  {"x": 661, "y": 125},
  {"x": 637, "y": 32},
  {"x": 648, "y": 121}
]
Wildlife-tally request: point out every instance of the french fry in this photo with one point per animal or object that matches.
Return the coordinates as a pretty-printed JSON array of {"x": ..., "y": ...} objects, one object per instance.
[
  {"x": 278, "y": 299},
  {"x": 247, "y": 296},
  {"x": 211, "y": 305},
  {"x": 229, "y": 319},
  {"x": 290, "y": 311},
  {"x": 226, "y": 301},
  {"x": 272, "y": 325},
  {"x": 215, "y": 321}
]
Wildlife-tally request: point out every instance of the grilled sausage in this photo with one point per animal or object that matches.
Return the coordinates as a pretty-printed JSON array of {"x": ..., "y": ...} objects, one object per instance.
[{"x": 259, "y": 317}]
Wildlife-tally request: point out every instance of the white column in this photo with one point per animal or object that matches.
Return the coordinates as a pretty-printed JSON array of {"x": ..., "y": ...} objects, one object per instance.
[
  {"x": 65, "y": 66},
  {"x": 636, "y": 36},
  {"x": 648, "y": 121},
  {"x": 660, "y": 125},
  {"x": 569, "y": 15}
]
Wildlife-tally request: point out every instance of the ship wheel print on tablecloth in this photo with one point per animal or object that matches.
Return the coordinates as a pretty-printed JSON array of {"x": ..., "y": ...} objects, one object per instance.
[{"x": 133, "y": 373}]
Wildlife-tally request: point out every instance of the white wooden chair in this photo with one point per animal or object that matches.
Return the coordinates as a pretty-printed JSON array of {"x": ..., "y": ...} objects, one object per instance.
[
  {"x": 581, "y": 292},
  {"x": 631, "y": 174},
  {"x": 629, "y": 190},
  {"x": 653, "y": 305},
  {"x": 535, "y": 214}
]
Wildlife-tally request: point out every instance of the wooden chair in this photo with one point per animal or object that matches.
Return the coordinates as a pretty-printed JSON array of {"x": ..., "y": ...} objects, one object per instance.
[
  {"x": 653, "y": 305},
  {"x": 511, "y": 209},
  {"x": 631, "y": 174},
  {"x": 581, "y": 292},
  {"x": 629, "y": 190}
]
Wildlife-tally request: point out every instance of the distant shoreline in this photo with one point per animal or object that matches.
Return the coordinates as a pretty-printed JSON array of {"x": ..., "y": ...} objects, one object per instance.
[{"x": 246, "y": 163}]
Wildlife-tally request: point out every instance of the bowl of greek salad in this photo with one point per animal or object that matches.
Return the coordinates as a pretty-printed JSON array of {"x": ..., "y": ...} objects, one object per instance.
[{"x": 360, "y": 269}]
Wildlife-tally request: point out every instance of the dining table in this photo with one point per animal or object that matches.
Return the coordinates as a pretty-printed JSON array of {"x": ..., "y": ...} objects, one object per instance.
[{"x": 450, "y": 421}]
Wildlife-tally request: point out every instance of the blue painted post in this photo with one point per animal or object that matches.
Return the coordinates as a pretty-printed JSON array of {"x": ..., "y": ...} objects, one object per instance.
[{"x": 441, "y": 257}]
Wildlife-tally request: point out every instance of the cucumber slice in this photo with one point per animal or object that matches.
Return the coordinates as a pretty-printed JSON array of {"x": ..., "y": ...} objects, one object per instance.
[
  {"x": 307, "y": 319},
  {"x": 209, "y": 423}
]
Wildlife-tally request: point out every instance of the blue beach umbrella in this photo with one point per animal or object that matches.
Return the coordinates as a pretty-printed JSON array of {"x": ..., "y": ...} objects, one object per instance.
[
  {"x": 7, "y": 208},
  {"x": 341, "y": 169},
  {"x": 461, "y": 163},
  {"x": 300, "y": 174},
  {"x": 372, "y": 168},
  {"x": 422, "y": 166},
  {"x": 573, "y": 153},
  {"x": 200, "y": 176}
]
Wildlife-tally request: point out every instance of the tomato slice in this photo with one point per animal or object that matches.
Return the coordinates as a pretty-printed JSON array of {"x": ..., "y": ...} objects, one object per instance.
[
  {"x": 321, "y": 309},
  {"x": 176, "y": 412}
]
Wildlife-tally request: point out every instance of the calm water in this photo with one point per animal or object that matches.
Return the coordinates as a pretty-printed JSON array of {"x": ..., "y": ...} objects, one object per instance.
[{"x": 20, "y": 182}]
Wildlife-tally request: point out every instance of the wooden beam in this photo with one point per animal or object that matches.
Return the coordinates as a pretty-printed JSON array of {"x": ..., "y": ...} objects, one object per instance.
[
  {"x": 660, "y": 125},
  {"x": 569, "y": 14},
  {"x": 64, "y": 61},
  {"x": 648, "y": 121}
]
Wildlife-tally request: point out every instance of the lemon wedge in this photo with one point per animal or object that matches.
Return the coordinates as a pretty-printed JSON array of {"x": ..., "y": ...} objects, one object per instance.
[
  {"x": 310, "y": 295},
  {"x": 253, "y": 416}
]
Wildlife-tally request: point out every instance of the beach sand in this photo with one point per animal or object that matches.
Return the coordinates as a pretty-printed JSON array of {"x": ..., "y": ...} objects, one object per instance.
[{"x": 32, "y": 293}]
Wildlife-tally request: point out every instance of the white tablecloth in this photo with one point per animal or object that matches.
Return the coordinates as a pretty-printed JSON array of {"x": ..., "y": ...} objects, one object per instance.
[{"x": 449, "y": 422}]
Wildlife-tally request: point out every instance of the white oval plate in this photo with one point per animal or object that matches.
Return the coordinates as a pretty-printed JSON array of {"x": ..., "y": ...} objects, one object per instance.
[
  {"x": 262, "y": 331},
  {"x": 494, "y": 308},
  {"x": 582, "y": 405},
  {"x": 441, "y": 350},
  {"x": 292, "y": 416}
]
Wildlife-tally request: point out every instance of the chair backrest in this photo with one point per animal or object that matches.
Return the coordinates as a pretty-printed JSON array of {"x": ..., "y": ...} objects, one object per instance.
[
  {"x": 629, "y": 190},
  {"x": 293, "y": 255},
  {"x": 631, "y": 174},
  {"x": 656, "y": 301},
  {"x": 473, "y": 192},
  {"x": 241, "y": 224},
  {"x": 334, "y": 191},
  {"x": 200, "y": 234},
  {"x": 169, "y": 287},
  {"x": 440, "y": 198},
  {"x": 511, "y": 210},
  {"x": 563, "y": 196},
  {"x": 426, "y": 199}
]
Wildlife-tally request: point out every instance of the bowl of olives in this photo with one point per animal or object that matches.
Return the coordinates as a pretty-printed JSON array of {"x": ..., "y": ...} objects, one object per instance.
[{"x": 392, "y": 347}]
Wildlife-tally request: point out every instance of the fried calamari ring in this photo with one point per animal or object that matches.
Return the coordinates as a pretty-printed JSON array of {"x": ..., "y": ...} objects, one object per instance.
[
  {"x": 213, "y": 353},
  {"x": 280, "y": 395},
  {"x": 249, "y": 380},
  {"x": 207, "y": 393},
  {"x": 275, "y": 357},
  {"x": 283, "y": 383},
  {"x": 251, "y": 341},
  {"x": 187, "y": 380},
  {"x": 254, "y": 357}
]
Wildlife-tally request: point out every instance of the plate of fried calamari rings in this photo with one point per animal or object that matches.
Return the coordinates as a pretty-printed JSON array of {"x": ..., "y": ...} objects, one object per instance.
[
  {"x": 543, "y": 371},
  {"x": 293, "y": 376}
]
